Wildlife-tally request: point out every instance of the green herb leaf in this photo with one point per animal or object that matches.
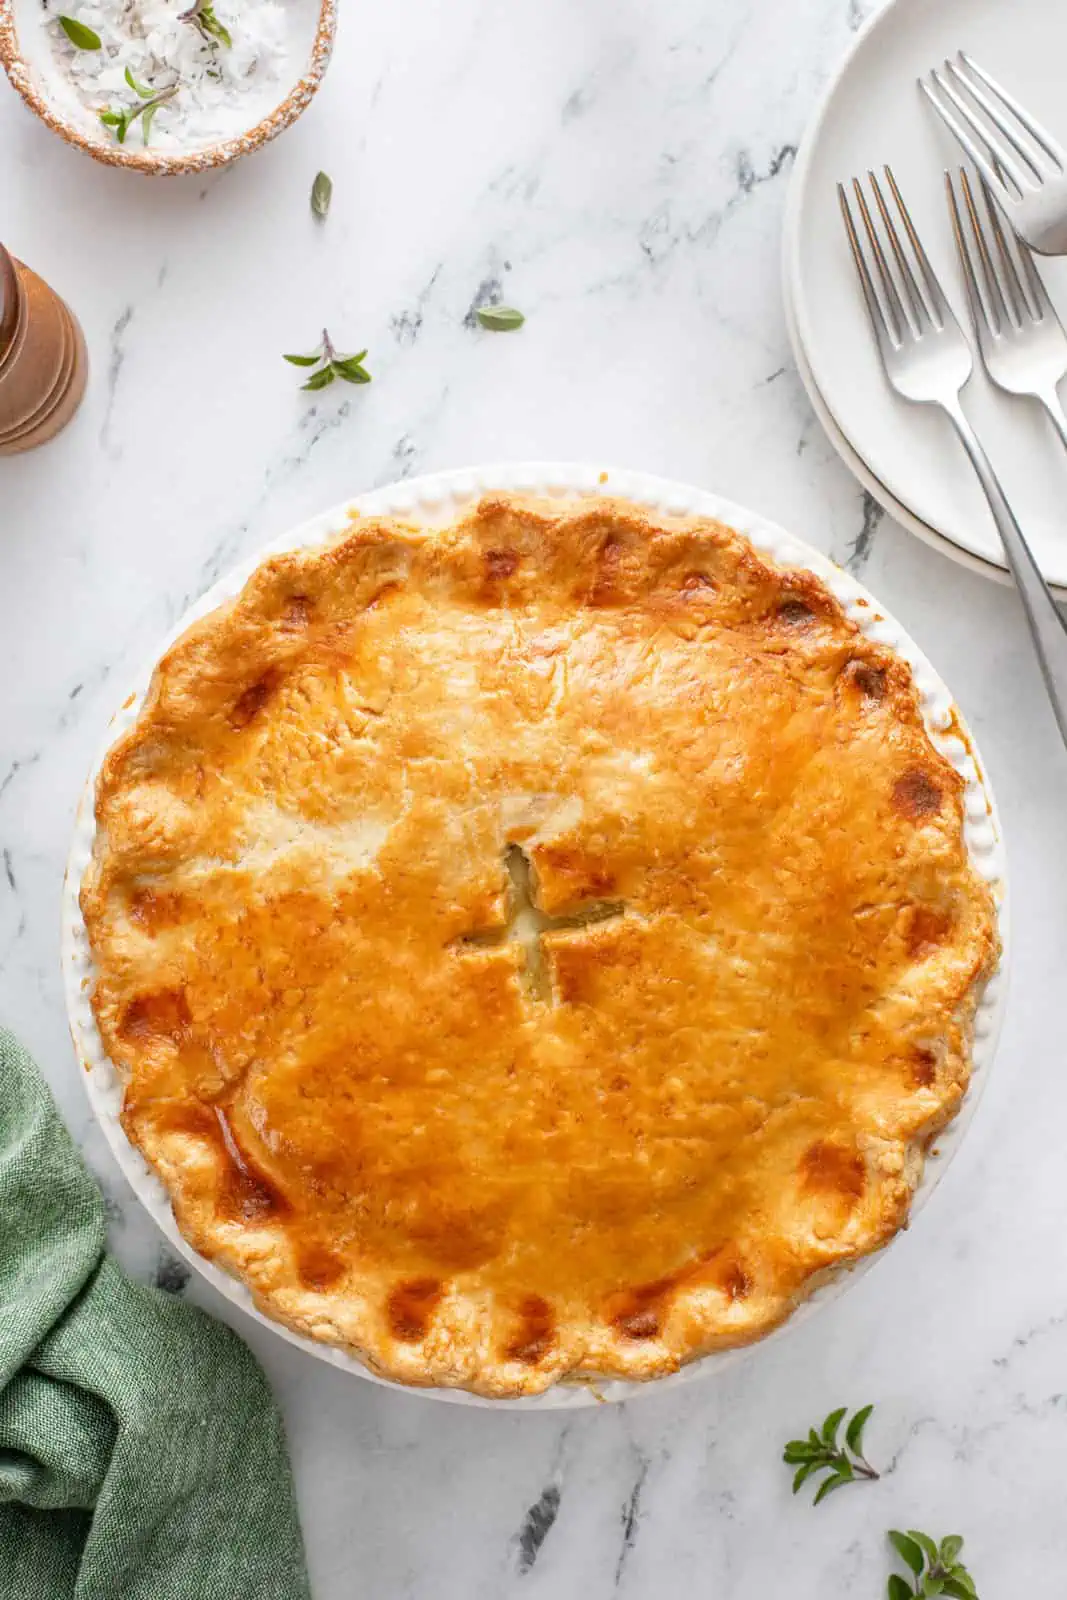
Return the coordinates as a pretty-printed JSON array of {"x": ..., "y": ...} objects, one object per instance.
[
  {"x": 961, "y": 1576},
  {"x": 349, "y": 368},
  {"x": 803, "y": 1473},
  {"x": 305, "y": 361},
  {"x": 831, "y": 1425},
  {"x": 951, "y": 1545},
  {"x": 932, "y": 1585},
  {"x": 321, "y": 195},
  {"x": 81, "y": 37},
  {"x": 828, "y": 1485},
  {"x": 119, "y": 120},
  {"x": 958, "y": 1589},
  {"x": 499, "y": 319},
  {"x": 908, "y": 1550},
  {"x": 899, "y": 1588},
  {"x": 147, "y": 119},
  {"x": 202, "y": 15},
  {"x": 320, "y": 380},
  {"x": 854, "y": 1431},
  {"x": 138, "y": 88},
  {"x": 926, "y": 1545},
  {"x": 212, "y": 28}
]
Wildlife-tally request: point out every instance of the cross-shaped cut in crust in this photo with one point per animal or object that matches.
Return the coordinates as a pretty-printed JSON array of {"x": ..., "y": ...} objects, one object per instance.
[{"x": 527, "y": 923}]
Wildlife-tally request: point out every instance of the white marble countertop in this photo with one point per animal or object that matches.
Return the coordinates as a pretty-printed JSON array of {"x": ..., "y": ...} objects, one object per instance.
[{"x": 620, "y": 168}]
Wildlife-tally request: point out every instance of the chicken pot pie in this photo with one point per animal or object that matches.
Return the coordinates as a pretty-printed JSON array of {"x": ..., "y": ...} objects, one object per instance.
[{"x": 543, "y": 947}]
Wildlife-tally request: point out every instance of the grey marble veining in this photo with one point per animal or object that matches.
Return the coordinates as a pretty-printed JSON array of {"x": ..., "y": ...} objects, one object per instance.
[{"x": 618, "y": 170}]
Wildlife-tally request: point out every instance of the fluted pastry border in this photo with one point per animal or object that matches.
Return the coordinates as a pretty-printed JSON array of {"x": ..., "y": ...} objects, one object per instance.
[{"x": 438, "y": 499}]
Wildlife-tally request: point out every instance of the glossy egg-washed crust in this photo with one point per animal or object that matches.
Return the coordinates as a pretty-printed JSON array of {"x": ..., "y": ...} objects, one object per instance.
[{"x": 366, "y": 1097}]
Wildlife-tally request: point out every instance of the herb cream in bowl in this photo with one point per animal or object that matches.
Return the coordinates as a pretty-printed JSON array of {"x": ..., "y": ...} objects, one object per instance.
[{"x": 167, "y": 86}]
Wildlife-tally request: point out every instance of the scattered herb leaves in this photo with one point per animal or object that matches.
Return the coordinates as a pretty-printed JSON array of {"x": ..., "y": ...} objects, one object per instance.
[
  {"x": 935, "y": 1568},
  {"x": 147, "y": 118},
  {"x": 202, "y": 15},
  {"x": 820, "y": 1452},
  {"x": 214, "y": 29},
  {"x": 81, "y": 37},
  {"x": 499, "y": 319},
  {"x": 331, "y": 364},
  {"x": 321, "y": 195},
  {"x": 123, "y": 118}
]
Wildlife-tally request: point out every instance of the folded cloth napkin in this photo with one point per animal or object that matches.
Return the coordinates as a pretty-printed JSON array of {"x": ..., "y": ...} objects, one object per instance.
[{"x": 141, "y": 1453}]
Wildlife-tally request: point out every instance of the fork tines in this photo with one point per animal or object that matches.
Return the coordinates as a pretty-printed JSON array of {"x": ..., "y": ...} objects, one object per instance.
[
  {"x": 1017, "y": 157},
  {"x": 1002, "y": 282},
  {"x": 898, "y": 313}
]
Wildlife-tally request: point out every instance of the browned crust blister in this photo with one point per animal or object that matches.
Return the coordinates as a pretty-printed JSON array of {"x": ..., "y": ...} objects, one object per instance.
[{"x": 701, "y": 1080}]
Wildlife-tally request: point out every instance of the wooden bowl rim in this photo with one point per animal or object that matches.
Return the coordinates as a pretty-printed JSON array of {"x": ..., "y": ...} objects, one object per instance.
[{"x": 162, "y": 163}]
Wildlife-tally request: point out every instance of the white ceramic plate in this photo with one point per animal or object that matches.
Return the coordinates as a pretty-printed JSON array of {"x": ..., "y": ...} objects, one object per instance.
[
  {"x": 433, "y": 501},
  {"x": 859, "y": 468},
  {"x": 873, "y": 114}
]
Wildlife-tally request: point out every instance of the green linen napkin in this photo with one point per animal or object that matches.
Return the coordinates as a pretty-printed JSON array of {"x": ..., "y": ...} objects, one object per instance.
[{"x": 141, "y": 1453}]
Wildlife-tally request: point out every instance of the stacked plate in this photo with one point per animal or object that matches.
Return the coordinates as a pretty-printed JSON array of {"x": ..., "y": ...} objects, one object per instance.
[{"x": 873, "y": 113}]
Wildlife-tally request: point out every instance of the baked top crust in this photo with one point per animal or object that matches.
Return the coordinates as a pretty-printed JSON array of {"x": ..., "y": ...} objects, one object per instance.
[{"x": 544, "y": 946}]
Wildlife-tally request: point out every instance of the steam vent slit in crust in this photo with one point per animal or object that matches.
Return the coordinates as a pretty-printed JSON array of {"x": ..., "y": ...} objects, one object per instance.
[{"x": 539, "y": 947}]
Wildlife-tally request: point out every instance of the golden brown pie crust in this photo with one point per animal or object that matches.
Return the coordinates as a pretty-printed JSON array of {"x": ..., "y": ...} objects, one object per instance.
[{"x": 640, "y": 1121}]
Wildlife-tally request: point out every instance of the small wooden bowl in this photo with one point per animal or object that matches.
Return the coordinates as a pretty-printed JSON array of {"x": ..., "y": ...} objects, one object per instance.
[
  {"x": 26, "y": 56},
  {"x": 43, "y": 360}
]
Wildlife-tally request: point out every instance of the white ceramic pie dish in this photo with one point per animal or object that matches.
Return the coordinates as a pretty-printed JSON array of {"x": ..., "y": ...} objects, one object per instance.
[{"x": 436, "y": 500}]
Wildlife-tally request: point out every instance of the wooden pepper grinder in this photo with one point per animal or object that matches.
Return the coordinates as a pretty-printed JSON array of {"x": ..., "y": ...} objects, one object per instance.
[{"x": 43, "y": 360}]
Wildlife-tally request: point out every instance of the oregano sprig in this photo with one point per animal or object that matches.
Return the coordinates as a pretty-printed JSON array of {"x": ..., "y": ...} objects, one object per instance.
[
  {"x": 331, "y": 364},
  {"x": 123, "y": 118},
  {"x": 934, "y": 1569},
  {"x": 820, "y": 1452},
  {"x": 202, "y": 15}
]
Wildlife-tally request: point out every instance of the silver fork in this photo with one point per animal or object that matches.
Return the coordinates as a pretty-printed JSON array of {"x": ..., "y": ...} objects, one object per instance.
[
  {"x": 928, "y": 360},
  {"x": 1020, "y": 160},
  {"x": 1021, "y": 338}
]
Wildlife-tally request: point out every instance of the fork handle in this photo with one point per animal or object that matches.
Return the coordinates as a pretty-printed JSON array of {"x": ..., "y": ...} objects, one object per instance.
[{"x": 1047, "y": 627}]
